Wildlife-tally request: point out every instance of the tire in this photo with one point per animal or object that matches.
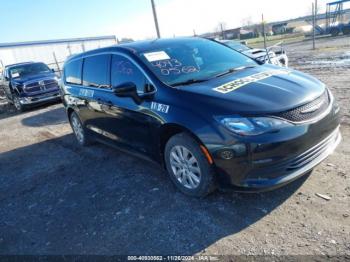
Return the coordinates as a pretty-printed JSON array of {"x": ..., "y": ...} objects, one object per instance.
[
  {"x": 194, "y": 177},
  {"x": 80, "y": 132},
  {"x": 19, "y": 107},
  {"x": 335, "y": 32},
  {"x": 346, "y": 31}
]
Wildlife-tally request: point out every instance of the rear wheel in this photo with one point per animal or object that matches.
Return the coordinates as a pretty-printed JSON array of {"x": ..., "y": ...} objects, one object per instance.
[
  {"x": 81, "y": 133},
  {"x": 188, "y": 167}
]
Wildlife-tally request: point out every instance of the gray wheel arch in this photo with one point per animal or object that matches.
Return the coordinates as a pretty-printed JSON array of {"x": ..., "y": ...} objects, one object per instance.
[{"x": 167, "y": 131}]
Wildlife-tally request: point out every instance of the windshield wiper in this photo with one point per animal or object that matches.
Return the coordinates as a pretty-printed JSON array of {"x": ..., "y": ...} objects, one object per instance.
[
  {"x": 231, "y": 70},
  {"x": 194, "y": 81},
  {"x": 189, "y": 82}
]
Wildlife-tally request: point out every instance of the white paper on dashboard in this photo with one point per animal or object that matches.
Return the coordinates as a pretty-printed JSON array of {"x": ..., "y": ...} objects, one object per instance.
[
  {"x": 15, "y": 75},
  {"x": 156, "y": 56}
]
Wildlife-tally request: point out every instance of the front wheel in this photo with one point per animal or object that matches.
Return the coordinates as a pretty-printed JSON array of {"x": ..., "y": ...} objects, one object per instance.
[
  {"x": 188, "y": 167},
  {"x": 335, "y": 32},
  {"x": 17, "y": 103},
  {"x": 346, "y": 31}
]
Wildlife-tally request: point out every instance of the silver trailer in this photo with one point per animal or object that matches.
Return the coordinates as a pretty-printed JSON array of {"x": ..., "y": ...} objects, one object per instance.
[{"x": 51, "y": 52}]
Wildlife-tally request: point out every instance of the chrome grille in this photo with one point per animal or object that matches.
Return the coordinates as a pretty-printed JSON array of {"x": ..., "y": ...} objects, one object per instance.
[
  {"x": 308, "y": 111},
  {"x": 37, "y": 87}
]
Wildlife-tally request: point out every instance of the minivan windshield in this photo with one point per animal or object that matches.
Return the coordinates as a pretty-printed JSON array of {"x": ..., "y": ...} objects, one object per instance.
[
  {"x": 193, "y": 60},
  {"x": 29, "y": 70}
]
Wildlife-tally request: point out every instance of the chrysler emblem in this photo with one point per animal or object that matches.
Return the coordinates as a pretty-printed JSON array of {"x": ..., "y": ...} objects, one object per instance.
[{"x": 312, "y": 108}]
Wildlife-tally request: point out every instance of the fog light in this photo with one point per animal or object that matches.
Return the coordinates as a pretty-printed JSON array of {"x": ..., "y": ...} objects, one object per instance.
[
  {"x": 226, "y": 154},
  {"x": 237, "y": 150},
  {"x": 24, "y": 100}
]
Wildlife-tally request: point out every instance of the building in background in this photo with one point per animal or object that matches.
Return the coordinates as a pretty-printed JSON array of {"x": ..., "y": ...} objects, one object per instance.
[
  {"x": 51, "y": 52},
  {"x": 300, "y": 25}
]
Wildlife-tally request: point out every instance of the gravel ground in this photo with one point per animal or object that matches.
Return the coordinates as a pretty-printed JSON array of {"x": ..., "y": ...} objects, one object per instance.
[{"x": 59, "y": 198}]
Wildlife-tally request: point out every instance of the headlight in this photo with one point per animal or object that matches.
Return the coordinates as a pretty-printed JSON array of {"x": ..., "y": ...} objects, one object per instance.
[{"x": 253, "y": 125}]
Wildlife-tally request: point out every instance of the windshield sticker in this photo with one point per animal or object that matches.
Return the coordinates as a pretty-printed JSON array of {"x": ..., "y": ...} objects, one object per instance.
[
  {"x": 160, "y": 107},
  {"x": 174, "y": 66},
  {"x": 231, "y": 86},
  {"x": 86, "y": 92},
  {"x": 15, "y": 74},
  {"x": 156, "y": 56}
]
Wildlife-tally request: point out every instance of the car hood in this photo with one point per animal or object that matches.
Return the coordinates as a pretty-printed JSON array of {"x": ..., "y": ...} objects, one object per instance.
[
  {"x": 32, "y": 78},
  {"x": 262, "y": 89}
]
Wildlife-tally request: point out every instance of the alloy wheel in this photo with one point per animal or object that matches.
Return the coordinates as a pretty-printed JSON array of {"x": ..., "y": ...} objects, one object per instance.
[
  {"x": 185, "y": 167},
  {"x": 17, "y": 103},
  {"x": 78, "y": 129}
]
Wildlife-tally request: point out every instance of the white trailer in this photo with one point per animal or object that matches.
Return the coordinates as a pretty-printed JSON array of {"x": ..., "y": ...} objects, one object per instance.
[{"x": 51, "y": 52}]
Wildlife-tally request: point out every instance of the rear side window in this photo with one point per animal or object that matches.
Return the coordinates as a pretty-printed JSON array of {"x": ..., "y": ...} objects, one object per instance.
[
  {"x": 96, "y": 71},
  {"x": 123, "y": 71},
  {"x": 72, "y": 72}
]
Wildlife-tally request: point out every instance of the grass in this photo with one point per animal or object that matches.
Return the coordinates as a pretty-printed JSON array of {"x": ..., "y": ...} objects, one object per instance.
[{"x": 271, "y": 40}]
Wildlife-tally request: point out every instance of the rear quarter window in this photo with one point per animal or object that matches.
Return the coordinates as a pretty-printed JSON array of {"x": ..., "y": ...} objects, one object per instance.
[{"x": 72, "y": 72}]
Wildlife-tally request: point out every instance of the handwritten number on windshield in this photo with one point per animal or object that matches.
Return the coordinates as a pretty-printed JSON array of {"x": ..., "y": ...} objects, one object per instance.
[{"x": 174, "y": 66}]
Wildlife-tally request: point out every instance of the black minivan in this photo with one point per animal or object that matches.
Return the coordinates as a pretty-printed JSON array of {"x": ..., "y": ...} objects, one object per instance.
[{"x": 210, "y": 115}]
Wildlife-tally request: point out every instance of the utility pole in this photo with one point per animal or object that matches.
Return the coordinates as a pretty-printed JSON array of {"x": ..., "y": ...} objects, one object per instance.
[
  {"x": 313, "y": 25},
  {"x": 222, "y": 31},
  {"x": 263, "y": 30},
  {"x": 264, "y": 34},
  {"x": 316, "y": 10},
  {"x": 155, "y": 18},
  {"x": 316, "y": 6},
  {"x": 56, "y": 62},
  {"x": 69, "y": 49}
]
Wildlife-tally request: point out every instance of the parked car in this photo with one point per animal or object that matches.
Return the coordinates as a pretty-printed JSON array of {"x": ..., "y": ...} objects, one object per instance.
[
  {"x": 28, "y": 84},
  {"x": 210, "y": 115},
  {"x": 275, "y": 55}
]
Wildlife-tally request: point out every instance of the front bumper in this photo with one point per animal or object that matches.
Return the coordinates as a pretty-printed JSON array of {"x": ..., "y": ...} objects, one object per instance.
[
  {"x": 297, "y": 166},
  {"x": 259, "y": 176},
  {"x": 268, "y": 161},
  {"x": 32, "y": 100}
]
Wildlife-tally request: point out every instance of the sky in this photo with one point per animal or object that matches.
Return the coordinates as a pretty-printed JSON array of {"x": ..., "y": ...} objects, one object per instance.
[{"x": 30, "y": 20}]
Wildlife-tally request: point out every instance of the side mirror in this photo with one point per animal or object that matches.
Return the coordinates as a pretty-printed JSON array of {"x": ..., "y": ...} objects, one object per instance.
[
  {"x": 53, "y": 70},
  {"x": 127, "y": 90}
]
